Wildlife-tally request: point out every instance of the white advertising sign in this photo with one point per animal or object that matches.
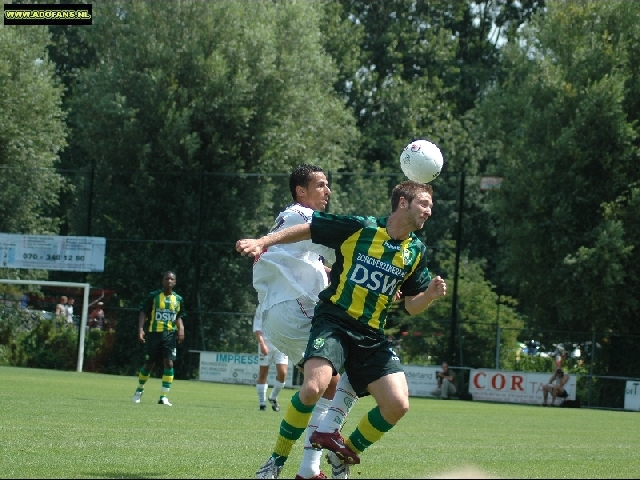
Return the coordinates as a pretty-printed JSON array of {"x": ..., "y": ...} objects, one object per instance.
[
  {"x": 632, "y": 395},
  {"x": 422, "y": 380},
  {"x": 48, "y": 252},
  {"x": 226, "y": 367},
  {"x": 513, "y": 387}
]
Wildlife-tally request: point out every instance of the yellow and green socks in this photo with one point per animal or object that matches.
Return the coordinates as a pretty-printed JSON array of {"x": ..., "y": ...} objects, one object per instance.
[
  {"x": 143, "y": 376},
  {"x": 292, "y": 427},
  {"x": 167, "y": 380},
  {"x": 370, "y": 429}
]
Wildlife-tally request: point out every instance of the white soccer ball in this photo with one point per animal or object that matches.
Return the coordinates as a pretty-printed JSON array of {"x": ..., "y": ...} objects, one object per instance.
[{"x": 421, "y": 161}]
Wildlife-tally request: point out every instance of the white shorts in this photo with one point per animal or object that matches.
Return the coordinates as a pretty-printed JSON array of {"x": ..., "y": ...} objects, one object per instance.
[
  {"x": 274, "y": 355},
  {"x": 287, "y": 325}
]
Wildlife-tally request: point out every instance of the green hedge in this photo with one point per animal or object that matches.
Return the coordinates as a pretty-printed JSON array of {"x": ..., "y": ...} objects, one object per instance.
[{"x": 27, "y": 339}]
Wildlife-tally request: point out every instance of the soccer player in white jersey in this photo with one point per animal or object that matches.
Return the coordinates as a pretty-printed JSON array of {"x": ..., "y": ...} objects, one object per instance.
[
  {"x": 268, "y": 354},
  {"x": 288, "y": 279}
]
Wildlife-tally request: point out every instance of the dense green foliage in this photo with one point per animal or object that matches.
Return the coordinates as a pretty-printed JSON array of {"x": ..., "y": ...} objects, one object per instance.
[
  {"x": 32, "y": 132},
  {"x": 566, "y": 119},
  {"x": 161, "y": 126},
  {"x": 28, "y": 339},
  {"x": 175, "y": 138}
]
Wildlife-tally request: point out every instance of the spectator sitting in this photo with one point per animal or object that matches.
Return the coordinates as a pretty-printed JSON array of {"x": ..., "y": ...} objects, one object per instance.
[
  {"x": 560, "y": 378},
  {"x": 446, "y": 383}
]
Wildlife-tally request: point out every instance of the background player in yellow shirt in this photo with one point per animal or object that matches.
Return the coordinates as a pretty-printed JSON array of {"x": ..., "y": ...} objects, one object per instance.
[{"x": 165, "y": 310}]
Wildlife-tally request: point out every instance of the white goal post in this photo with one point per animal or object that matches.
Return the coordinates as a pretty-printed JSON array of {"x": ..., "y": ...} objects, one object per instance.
[{"x": 85, "y": 307}]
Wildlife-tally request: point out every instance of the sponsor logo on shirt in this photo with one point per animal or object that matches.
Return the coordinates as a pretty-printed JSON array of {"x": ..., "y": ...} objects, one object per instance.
[
  {"x": 163, "y": 315},
  {"x": 376, "y": 275}
]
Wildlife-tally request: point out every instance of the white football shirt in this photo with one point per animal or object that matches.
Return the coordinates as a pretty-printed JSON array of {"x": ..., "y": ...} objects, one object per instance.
[{"x": 294, "y": 270}]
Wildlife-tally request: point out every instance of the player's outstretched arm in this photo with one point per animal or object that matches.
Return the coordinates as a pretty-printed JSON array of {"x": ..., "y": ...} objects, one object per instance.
[
  {"x": 253, "y": 247},
  {"x": 418, "y": 303}
]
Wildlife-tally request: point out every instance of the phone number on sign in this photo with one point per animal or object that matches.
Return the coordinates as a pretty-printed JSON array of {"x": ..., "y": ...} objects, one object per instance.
[{"x": 54, "y": 258}]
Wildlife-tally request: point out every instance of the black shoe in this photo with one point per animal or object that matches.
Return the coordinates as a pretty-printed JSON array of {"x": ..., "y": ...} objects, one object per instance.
[
  {"x": 274, "y": 405},
  {"x": 263, "y": 408}
]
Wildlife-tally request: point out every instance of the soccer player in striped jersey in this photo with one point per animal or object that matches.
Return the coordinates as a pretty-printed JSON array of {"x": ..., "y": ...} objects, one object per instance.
[
  {"x": 375, "y": 259},
  {"x": 165, "y": 310}
]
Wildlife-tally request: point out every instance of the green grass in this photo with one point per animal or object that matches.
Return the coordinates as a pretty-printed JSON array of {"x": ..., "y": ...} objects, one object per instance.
[{"x": 81, "y": 425}]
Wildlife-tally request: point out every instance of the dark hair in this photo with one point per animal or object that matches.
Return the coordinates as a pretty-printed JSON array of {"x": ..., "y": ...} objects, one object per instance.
[
  {"x": 300, "y": 177},
  {"x": 409, "y": 190},
  {"x": 171, "y": 272}
]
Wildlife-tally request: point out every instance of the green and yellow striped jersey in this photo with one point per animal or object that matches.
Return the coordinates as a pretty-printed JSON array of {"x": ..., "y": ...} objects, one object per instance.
[
  {"x": 163, "y": 311},
  {"x": 370, "y": 266}
]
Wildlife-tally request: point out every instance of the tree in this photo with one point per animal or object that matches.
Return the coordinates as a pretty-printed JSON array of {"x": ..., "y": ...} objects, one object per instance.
[
  {"x": 32, "y": 132},
  {"x": 566, "y": 119},
  {"x": 427, "y": 334},
  {"x": 414, "y": 70},
  {"x": 166, "y": 117}
]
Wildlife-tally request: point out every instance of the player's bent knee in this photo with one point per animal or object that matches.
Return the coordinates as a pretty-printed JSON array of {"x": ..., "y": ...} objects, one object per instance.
[
  {"x": 393, "y": 416},
  {"x": 394, "y": 410},
  {"x": 310, "y": 393}
]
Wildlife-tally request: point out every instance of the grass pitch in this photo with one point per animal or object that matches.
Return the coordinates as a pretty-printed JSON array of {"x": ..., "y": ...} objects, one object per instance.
[{"x": 82, "y": 425}]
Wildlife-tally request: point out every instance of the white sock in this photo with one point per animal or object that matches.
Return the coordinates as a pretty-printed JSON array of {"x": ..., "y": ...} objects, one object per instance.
[
  {"x": 277, "y": 387},
  {"x": 342, "y": 403},
  {"x": 310, "y": 464},
  {"x": 262, "y": 392}
]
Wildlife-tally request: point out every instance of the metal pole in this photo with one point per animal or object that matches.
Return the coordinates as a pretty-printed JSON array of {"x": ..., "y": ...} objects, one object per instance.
[
  {"x": 83, "y": 328},
  {"x": 90, "y": 202},
  {"x": 197, "y": 255},
  {"x": 199, "y": 306},
  {"x": 498, "y": 348},
  {"x": 454, "y": 301},
  {"x": 498, "y": 335},
  {"x": 460, "y": 345},
  {"x": 593, "y": 356}
]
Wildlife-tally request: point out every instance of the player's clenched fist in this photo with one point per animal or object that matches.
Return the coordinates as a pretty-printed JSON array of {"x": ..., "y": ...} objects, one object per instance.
[
  {"x": 438, "y": 287},
  {"x": 249, "y": 247}
]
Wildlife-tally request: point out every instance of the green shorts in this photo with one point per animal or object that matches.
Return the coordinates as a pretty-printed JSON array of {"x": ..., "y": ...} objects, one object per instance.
[
  {"x": 159, "y": 345},
  {"x": 366, "y": 355}
]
